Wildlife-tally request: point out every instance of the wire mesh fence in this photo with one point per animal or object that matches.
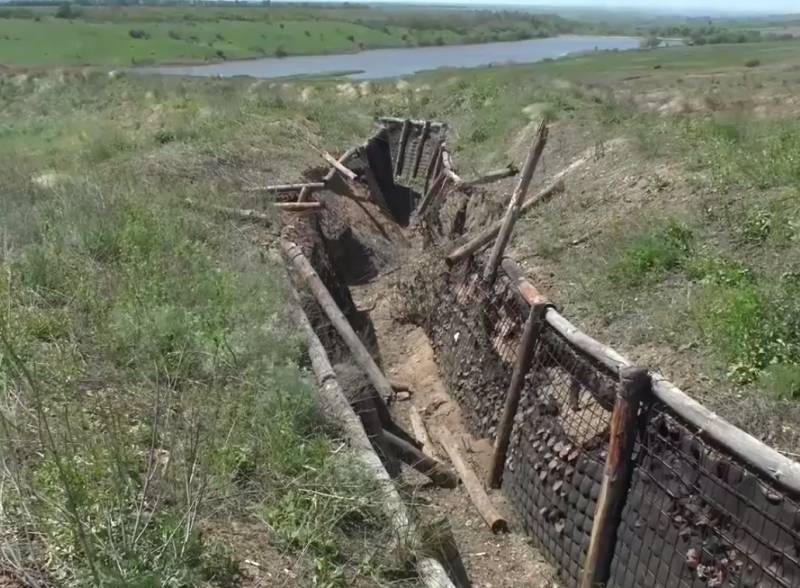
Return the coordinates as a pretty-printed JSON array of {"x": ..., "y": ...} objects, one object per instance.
[{"x": 693, "y": 515}]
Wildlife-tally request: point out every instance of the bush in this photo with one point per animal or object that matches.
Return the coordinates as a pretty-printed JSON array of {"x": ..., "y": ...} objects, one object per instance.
[
  {"x": 752, "y": 63},
  {"x": 281, "y": 52},
  {"x": 67, "y": 11},
  {"x": 651, "y": 255},
  {"x": 138, "y": 34}
]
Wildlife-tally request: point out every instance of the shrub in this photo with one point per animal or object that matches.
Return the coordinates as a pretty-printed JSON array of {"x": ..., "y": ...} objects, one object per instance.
[
  {"x": 651, "y": 255},
  {"x": 67, "y": 11},
  {"x": 752, "y": 63},
  {"x": 138, "y": 34},
  {"x": 280, "y": 51},
  {"x": 174, "y": 35}
]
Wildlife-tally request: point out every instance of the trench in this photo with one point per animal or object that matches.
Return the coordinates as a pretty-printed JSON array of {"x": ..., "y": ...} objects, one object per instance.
[{"x": 366, "y": 245}]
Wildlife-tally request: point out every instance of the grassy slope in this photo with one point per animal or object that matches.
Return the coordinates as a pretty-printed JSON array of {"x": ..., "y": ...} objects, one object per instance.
[
  {"x": 152, "y": 392},
  {"x": 100, "y": 36}
]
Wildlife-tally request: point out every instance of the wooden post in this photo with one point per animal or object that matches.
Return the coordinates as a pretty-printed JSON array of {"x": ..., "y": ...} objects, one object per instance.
[
  {"x": 433, "y": 167},
  {"x": 477, "y": 494},
  {"x": 493, "y": 176},
  {"x": 635, "y": 384},
  {"x": 305, "y": 193},
  {"x": 429, "y": 196},
  {"x": 525, "y": 351},
  {"x": 510, "y": 218},
  {"x": 424, "y": 464},
  {"x": 401, "y": 148},
  {"x": 426, "y": 131},
  {"x": 486, "y": 236}
]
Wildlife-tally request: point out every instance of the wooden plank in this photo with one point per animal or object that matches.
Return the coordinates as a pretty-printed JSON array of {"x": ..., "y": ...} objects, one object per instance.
[
  {"x": 287, "y": 187},
  {"x": 426, "y": 131},
  {"x": 396, "y": 121},
  {"x": 420, "y": 430},
  {"x": 399, "y": 159},
  {"x": 616, "y": 477},
  {"x": 515, "y": 203},
  {"x": 525, "y": 351},
  {"x": 477, "y": 494},
  {"x": 298, "y": 206}
]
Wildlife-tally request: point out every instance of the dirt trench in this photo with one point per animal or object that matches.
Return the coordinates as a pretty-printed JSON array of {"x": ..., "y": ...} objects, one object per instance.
[{"x": 363, "y": 249}]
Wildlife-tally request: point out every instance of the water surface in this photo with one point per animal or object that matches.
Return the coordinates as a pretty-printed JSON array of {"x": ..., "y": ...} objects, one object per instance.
[{"x": 402, "y": 61}]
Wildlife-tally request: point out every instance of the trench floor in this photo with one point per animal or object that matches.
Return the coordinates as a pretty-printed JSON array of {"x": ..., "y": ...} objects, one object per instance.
[{"x": 492, "y": 561}]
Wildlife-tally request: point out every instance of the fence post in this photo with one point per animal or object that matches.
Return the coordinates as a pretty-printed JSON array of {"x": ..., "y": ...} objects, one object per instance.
[
  {"x": 616, "y": 478},
  {"x": 527, "y": 345}
]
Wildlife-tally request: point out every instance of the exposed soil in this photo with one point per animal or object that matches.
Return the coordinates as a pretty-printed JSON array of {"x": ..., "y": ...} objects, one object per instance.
[{"x": 491, "y": 561}]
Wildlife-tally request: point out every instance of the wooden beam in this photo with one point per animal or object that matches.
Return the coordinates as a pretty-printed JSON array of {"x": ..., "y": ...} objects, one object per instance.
[
  {"x": 396, "y": 121},
  {"x": 525, "y": 351},
  {"x": 447, "y": 164},
  {"x": 420, "y": 430},
  {"x": 346, "y": 172},
  {"x": 431, "y": 195},
  {"x": 600, "y": 352},
  {"x": 344, "y": 157},
  {"x": 616, "y": 478},
  {"x": 237, "y": 213},
  {"x": 515, "y": 203},
  {"x": 477, "y": 494},
  {"x": 424, "y": 464},
  {"x": 399, "y": 159},
  {"x": 426, "y": 131},
  {"x": 433, "y": 168},
  {"x": 486, "y": 236}
]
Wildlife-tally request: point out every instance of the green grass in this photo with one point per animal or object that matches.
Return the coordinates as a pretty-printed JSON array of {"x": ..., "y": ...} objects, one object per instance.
[
  {"x": 152, "y": 390},
  {"x": 147, "y": 35}
]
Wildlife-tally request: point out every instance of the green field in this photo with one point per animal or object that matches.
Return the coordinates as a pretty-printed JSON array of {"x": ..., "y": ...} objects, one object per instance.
[{"x": 147, "y": 35}]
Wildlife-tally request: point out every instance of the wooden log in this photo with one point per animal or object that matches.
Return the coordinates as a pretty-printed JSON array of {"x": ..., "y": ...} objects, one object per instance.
[
  {"x": 514, "y": 204},
  {"x": 399, "y": 159},
  {"x": 486, "y": 236},
  {"x": 346, "y": 172},
  {"x": 471, "y": 482},
  {"x": 600, "y": 352},
  {"x": 396, "y": 121},
  {"x": 525, "y": 351},
  {"x": 339, "y": 413},
  {"x": 424, "y": 464},
  {"x": 781, "y": 470},
  {"x": 616, "y": 477},
  {"x": 237, "y": 213},
  {"x": 298, "y": 206},
  {"x": 492, "y": 176},
  {"x": 420, "y": 430},
  {"x": 344, "y": 157},
  {"x": 305, "y": 194},
  {"x": 426, "y": 131},
  {"x": 431, "y": 195},
  {"x": 287, "y": 187}
]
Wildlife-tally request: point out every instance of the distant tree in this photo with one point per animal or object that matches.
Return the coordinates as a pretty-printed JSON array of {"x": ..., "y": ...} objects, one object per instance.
[
  {"x": 66, "y": 11},
  {"x": 280, "y": 52},
  {"x": 650, "y": 42}
]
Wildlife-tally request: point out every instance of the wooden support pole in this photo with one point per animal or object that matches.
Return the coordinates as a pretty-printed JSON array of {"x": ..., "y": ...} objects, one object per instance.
[
  {"x": 513, "y": 210},
  {"x": 344, "y": 157},
  {"x": 429, "y": 196},
  {"x": 616, "y": 478},
  {"x": 424, "y": 464},
  {"x": 287, "y": 187},
  {"x": 401, "y": 149},
  {"x": 447, "y": 164},
  {"x": 525, "y": 351},
  {"x": 486, "y": 236},
  {"x": 433, "y": 167},
  {"x": 340, "y": 167},
  {"x": 426, "y": 131},
  {"x": 477, "y": 494},
  {"x": 305, "y": 194}
]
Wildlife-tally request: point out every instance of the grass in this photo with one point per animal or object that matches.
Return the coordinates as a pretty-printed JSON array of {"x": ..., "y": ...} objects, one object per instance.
[
  {"x": 152, "y": 391},
  {"x": 126, "y": 36}
]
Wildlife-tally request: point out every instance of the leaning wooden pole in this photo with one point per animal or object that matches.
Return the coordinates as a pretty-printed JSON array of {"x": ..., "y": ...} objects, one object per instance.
[
  {"x": 424, "y": 464},
  {"x": 486, "y": 236},
  {"x": 338, "y": 412},
  {"x": 513, "y": 210},
  {"x": 426, "y": 131},
  {"x": 635, "y": 384},
  {"x": 525, "y": 351}
]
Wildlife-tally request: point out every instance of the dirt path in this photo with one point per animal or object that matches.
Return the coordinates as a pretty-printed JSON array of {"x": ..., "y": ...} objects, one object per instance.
[{"x": 492, "y": 561}]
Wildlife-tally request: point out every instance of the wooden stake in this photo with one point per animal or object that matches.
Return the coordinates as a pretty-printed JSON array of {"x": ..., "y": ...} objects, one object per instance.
[
  {"x": 513, "y": 210},
  {"x": 401, "y": 149},
  {"x": 490, "y": 233},
  {"x": 426, "y": 131},
  {"x": 305, "y": 194},
  {"x": 424, "y": 464},
  {"x": 525, "y": 351},
  {"x": 346, "y": 172},
  {"x": 298, "y": 206},
  {"x": 447, "y": 164},
  {"x": 474, "y": 488},
  {"x": 616, "y": 478},
  {"x": 429, "y": 196}
]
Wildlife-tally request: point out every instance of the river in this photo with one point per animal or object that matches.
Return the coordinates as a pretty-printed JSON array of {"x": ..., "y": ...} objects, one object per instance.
[{"x": 389, "y": 63}]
